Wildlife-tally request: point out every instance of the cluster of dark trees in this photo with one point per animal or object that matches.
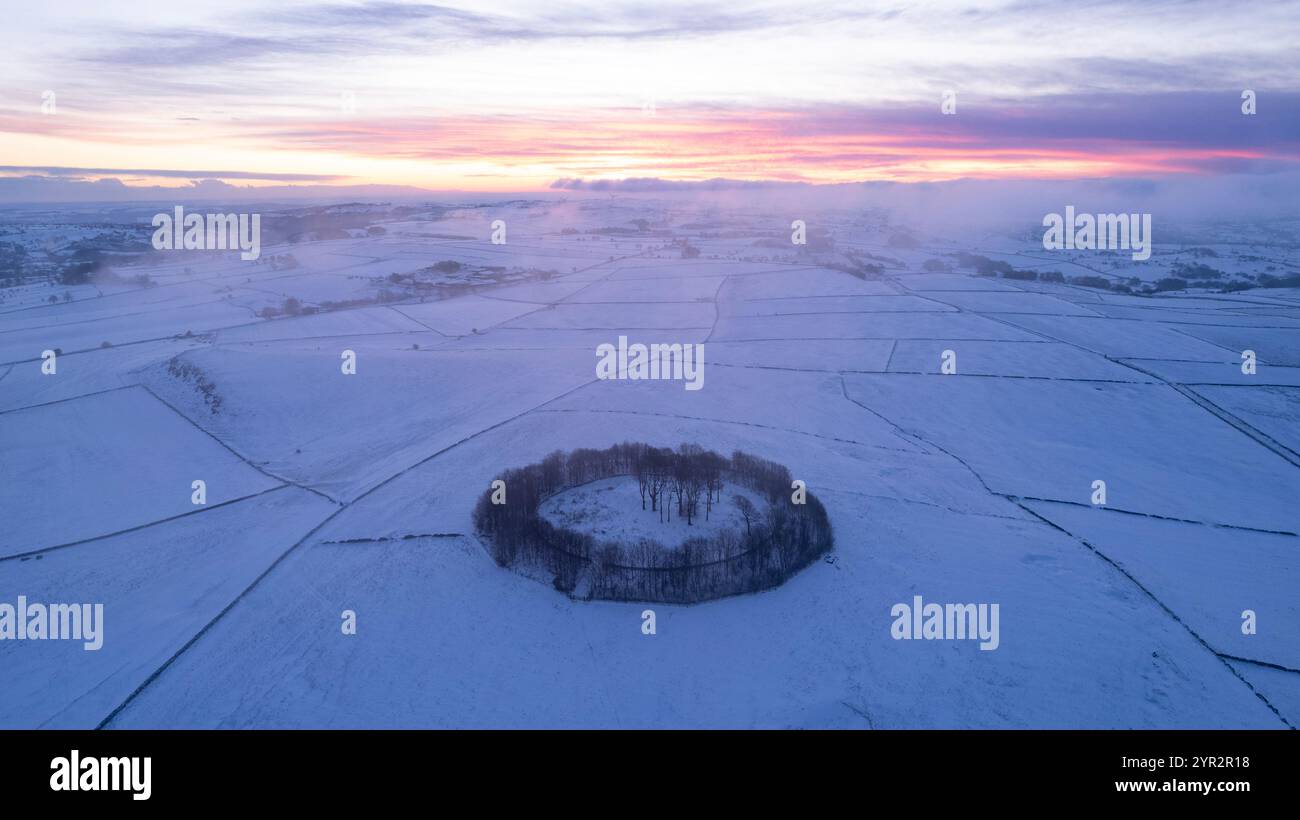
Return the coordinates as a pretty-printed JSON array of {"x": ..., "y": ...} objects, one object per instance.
[
  {"x": 779, "y": 538},
  {"x": 1184, "y": 275},
  {"x": 13, "y": 260},
  {"x": 333, "y": 222},
  {"x": 77, "y": 274},
  {"x": 1270, "y": 281},
  {"x": 186, "y": 371},
  {"x": 858, "y": 268},
  {"x": 686, "y": 473},
  {"x": 80, "y": 270},
  {"x": 1199, "y": 270},
  {"x": 289, "y": 307},
  {"x": 283, "y": 261},
  {"x": 982, "y": 264}
]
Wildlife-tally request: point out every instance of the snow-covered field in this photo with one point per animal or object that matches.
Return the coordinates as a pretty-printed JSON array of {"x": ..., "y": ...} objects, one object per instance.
[{"x": 329, "y": 492}]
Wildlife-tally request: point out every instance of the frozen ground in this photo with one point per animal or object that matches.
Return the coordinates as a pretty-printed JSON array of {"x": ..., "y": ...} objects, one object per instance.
[{"x": 329, "y": 492}]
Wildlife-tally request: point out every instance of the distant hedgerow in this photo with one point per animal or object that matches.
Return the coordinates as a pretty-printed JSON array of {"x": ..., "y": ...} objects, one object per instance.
[{"x": 185, "y": 371}]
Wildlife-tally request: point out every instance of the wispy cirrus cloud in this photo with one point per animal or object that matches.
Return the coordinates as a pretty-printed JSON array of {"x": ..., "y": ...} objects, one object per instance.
[
  {"x": 172, "y": 173},
  {"x": 366, "y": 29},
  {"x": 555, "y": 21}
]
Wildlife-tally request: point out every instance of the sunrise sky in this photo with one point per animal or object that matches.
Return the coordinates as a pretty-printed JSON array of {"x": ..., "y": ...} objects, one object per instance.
[{"x": 523, "y": 96}]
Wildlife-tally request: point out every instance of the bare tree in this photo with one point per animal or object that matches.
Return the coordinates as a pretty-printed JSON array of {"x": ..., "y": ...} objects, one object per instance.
[
  {"x": 693, "y": 479},
  {"x": 711, "y": 465},
  {"x": 747, "y": 511},
  {"x": 642, "y": 472}
]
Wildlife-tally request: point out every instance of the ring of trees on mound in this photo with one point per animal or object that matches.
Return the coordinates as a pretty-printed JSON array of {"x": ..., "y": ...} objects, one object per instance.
[{"x": 778, "y": 539}]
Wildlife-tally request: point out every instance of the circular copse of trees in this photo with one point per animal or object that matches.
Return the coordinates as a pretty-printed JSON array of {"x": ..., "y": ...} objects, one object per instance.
[{"x": 639, "y": 523}]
